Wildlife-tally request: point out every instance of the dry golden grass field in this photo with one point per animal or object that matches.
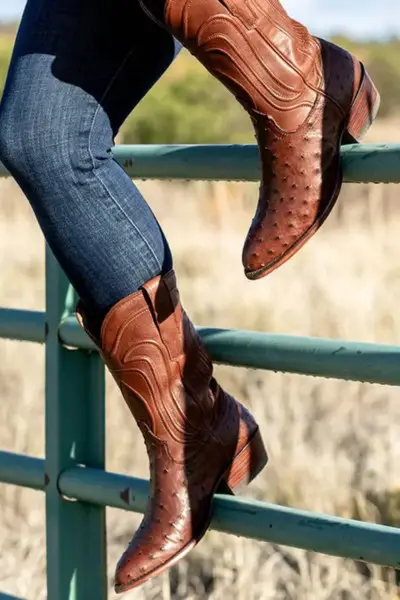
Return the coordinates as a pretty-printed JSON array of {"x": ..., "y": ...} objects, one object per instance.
[{"x": 334, "y": 446}]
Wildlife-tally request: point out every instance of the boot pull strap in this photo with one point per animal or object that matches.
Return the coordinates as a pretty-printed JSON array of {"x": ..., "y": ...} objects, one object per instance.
[{"x": 162, "y": 296}]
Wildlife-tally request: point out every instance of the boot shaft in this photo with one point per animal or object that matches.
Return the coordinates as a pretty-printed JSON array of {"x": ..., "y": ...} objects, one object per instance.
[
  {"x": 157, "y": 359},
  {"x": 267, "y": 60}
]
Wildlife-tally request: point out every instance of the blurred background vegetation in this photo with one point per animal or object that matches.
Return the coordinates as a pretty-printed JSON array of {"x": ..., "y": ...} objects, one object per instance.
[{"x": 188, "y": 106}]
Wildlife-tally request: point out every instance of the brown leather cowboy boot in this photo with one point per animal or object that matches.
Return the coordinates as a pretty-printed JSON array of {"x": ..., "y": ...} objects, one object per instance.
[
  {"x": 305, "y": 96},
  {"x": 198, "y": 438}
]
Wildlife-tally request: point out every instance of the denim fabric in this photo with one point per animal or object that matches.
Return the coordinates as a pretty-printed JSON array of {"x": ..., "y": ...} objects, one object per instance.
[{"x": 78, "y": 69}]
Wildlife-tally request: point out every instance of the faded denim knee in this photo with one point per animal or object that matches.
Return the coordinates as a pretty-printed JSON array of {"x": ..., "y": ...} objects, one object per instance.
[{"x": 48, "y": 132}]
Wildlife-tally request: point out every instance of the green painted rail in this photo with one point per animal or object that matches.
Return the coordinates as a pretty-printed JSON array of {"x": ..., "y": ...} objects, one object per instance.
[
  {"x": 73, "y": 475},
  {"x": 361, "y": 163},
  {"x": 338, "y": 359}
]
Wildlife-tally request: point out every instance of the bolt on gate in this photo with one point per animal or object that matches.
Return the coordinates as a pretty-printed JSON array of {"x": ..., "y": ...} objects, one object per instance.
[{"x": 72, "y": 475}]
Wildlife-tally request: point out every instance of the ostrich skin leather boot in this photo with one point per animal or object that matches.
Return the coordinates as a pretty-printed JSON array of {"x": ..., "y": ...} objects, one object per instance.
[
  {"x": 305, "y": 97},
  {"x": 199, "y": 439}
]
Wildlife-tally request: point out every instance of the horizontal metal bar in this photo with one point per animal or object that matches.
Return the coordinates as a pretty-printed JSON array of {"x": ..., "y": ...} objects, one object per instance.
[
  {"x": 249, "y": 518},
  {"x": 338, "y": 359},
  {"x": 354, "y": 361},
  {"x": 266, "y": 522},
  {"x": 320, "y": 357},
  {"x": 22, "y": 470},
  {"x": 23, "y": 325},
  {"x": 361, "y": 163},
  {"x": 371, "y": 163}
]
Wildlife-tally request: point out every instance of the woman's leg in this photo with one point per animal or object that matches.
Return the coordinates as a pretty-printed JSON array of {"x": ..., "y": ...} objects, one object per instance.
[{"x": 78, "y": 69}]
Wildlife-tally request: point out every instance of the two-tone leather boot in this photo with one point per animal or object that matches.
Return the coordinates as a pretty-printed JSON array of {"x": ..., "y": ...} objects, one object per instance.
[
  {"x": 198, "y": 438},
  {"x": 305, "y": 97}
]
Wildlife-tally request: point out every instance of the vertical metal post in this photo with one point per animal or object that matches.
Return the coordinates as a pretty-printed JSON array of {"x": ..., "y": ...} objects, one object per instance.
[{"x": 75, "y": 434}]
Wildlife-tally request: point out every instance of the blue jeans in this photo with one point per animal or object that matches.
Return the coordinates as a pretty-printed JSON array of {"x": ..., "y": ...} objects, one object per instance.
[{"x": 78, "y": 69}]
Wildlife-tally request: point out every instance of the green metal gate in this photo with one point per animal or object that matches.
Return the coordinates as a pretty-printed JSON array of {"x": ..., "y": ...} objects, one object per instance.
[{"x": 72, "y": 475}]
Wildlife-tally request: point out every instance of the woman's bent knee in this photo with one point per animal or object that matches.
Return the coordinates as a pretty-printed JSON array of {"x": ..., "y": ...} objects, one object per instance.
[
  {"x": 31, "y": 143},
  {"x": 44, "y": 123}
]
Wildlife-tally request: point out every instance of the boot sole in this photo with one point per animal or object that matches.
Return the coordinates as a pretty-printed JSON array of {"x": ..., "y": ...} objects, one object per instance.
[
  {"x": 244, "y": 468},
  {"x": 362, "y": 114}
]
